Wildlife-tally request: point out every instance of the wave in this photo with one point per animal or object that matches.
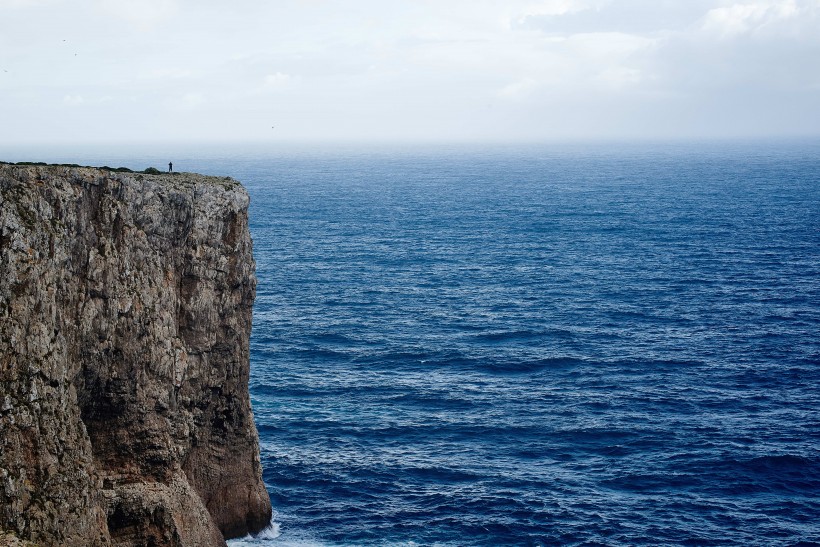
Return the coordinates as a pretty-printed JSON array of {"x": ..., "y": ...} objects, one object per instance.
[
  {"x": 270, "y": 533},
  {"x": 528, "y": 367},
  {"x": 523, "y": 334},
  {"x": 273, "y": 535}
]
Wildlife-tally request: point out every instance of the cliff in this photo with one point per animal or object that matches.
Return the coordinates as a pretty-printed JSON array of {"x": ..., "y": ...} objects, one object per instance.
[{"x": 125, "y": 315}]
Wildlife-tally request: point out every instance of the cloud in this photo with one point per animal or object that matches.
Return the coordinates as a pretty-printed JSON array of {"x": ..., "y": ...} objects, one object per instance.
[
  {"x": 551, "y": 8},
  {"x": 518, "y": 90},
  {"x": 144, "y": 14},
  {"x": 187, "y": 101},
  {"x": 747, "y": 17},
  {"x": 619, "y": 77},
  {"x": 624, "y": 16},
  {"x": 607, "y": 46},
  {"x": 167, "y": 74},
  {"x": 279, "y": 80},
  {"x": 22, "y": 4},
  {"x": 73, "y": 100},
  {"x": 420, "y": 69}
]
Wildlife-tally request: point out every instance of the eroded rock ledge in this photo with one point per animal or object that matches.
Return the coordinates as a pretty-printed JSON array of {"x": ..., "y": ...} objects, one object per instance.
[{"x": 125, "y": 316}]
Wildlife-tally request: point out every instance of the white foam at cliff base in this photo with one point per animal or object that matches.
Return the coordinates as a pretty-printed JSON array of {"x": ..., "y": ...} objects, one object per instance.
[
  {"x": 272, "y": 535},
  {"x": 268, "y": 534}
]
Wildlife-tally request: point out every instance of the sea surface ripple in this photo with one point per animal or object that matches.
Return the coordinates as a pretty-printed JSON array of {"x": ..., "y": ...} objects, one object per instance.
[{"x": 544, "y": 345}]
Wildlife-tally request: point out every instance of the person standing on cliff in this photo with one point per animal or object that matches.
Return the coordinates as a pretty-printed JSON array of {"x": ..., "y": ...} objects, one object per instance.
[{"x": 170, "y": 167}]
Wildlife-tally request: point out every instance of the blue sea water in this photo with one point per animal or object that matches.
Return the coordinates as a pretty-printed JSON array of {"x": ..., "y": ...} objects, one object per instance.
[{"x": 536, "y": 345}]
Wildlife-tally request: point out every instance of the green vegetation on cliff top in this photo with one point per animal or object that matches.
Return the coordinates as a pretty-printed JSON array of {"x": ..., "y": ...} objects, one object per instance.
[{"x": 225, "y": 182}]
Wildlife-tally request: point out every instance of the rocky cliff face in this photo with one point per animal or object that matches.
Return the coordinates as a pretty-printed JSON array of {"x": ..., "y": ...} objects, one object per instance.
[{"x": 125, "y": 315}]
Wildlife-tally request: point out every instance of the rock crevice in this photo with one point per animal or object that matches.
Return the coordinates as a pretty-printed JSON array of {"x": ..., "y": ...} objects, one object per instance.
[{"x": 125, "y": 316}]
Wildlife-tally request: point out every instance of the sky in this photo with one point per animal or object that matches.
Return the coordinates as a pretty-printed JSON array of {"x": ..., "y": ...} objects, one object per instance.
[{"x": 74, "y": 71}]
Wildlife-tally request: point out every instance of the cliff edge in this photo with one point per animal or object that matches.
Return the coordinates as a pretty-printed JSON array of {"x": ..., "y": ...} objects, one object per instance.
[{"x": 125, "y": 316}]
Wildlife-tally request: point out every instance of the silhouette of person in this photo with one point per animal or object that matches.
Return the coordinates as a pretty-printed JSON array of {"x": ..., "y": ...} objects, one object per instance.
[{"x": 170, "y": 167}]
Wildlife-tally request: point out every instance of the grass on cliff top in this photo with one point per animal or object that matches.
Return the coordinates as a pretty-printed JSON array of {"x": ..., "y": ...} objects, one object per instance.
[
  {"x": 227, "y": 182},
  {"x": 147, "y": 171}
]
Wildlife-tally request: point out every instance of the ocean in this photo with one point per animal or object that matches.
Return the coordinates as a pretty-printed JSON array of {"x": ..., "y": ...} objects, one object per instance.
[{"x": 591, "y": 344}]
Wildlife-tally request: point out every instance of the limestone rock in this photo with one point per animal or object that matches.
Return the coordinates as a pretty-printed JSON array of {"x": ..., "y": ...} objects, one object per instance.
[{"x": 125, "y": 316}]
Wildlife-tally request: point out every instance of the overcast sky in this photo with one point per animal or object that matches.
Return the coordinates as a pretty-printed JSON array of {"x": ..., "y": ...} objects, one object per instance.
[{"x": 418, "y": 70}]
